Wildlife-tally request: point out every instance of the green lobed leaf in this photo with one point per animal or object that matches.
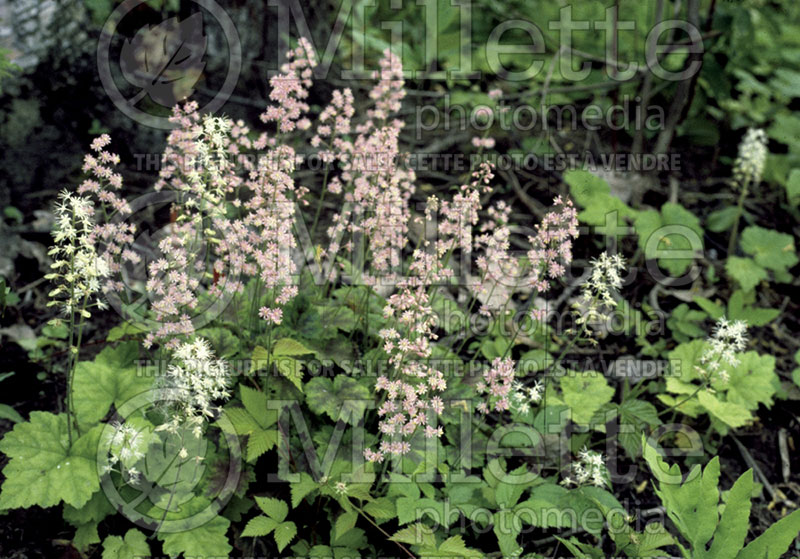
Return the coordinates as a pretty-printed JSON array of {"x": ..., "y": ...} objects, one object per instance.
[
  {"x": 691, "y": 505},
  {"x": 714, "y": 310},
  {"x": 255, "y": 402},
  {"x": 208, "y": 540},
  {"x": 732, "y": 415},
  {"x": 732, "y": 529},
  {"x": 95, "y": 510},
  {"x": 585, "y": 393},
  {"x": 752, "y": 382},
  {"x": 133, "y": 546},
  {"x": 261, "y": 441},
  {"x": 594, "y": 195},
  {"x": 509, "y": 489},
  {"x": 770, "y": 249},
  {"x": 543, "y": 508},
  {"x": 672, "y": 235},
  {"x": 111, "y": 378},
  {"x": 260, "y": 359},
  {"x": 775, "y": 540},
  {"x": 85, "y": 535},
  {"x": 341, "y": 398},
  {"x": 745, "y": 271},
  {"x": 381, "y": 509},
  {"x": 292, "y": 369},
  {"x": 43, "y": 470},
  {"x": 506, "y": 529}
]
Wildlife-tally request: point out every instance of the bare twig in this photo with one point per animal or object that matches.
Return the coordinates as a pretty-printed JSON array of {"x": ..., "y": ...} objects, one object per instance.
[
  {"x": 776, "y": 494},
  {"x": 529, "y": 202},
  {"x": 783, "y": 447}
]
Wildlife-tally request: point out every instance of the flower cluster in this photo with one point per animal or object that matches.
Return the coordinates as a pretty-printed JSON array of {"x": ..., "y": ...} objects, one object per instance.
[
  {"x": 111, "y": 236},
  {"x": 77, "y": 267},
  {"x": 376, "y": 187},
  {"x": 211, "y": 143},
  {"x": 104, "y": 182},
  {"x": 126, "y": 447},
  {"x": 728, "y": 339},
  {"x": 415, "y": 391},
  {"x": 598, "y": 291},
  {"x": 389, "y": 92},
  {"x": 503, "y": 392},
  {"x": 749, "y": 164},
  {"x": 503, "y": 274},
  {"x": 290, "y": 89},
  {"x": 196, "y": 161},
  {"x": 194, "y": 381},
  {"x": 270, "y": 239},
  {"x": 551, "y": 247},
  {"x": 478, "y": 142},
  {"x": 173, "y": 283},
  {"x": 590, "y": 468},
  {"x": 499, "y": 269},
  {"x": 460, "y": 214}
]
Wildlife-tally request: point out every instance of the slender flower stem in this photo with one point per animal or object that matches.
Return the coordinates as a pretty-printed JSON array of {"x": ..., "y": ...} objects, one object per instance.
[
  {"x": 689, "y": 397},
  {"x": 739, "y": 211},
  {"x": 381, "y": 530},
  {"x": 73, "y": 364},
  {"x": 320, "y": 203},
  {"x": 570, "y": 345},
  {"x": 511, "y": 342}
]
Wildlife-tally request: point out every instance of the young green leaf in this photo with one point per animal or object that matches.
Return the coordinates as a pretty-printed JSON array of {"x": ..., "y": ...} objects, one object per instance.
[
  {"x": 770, "y": 249},
  {"x": 274, "y": 508},
  {"x": 85, "y": 535},
  {"x": 454, "y": 546},
  {"x": 381, "y": 509},
  {"x": 284, "y": 533},
  {"x": 259, "y": 526},
  {"x": 415, "y": 534},
  {"x": 208, "y": 540},
  {"x": 290, "y": 347},
  {"x": 745, "y": 271},
  {"x": 132, "y": 546},
  {"x": 344, "y": 523},
  {"x": 302, "y": 488}
]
